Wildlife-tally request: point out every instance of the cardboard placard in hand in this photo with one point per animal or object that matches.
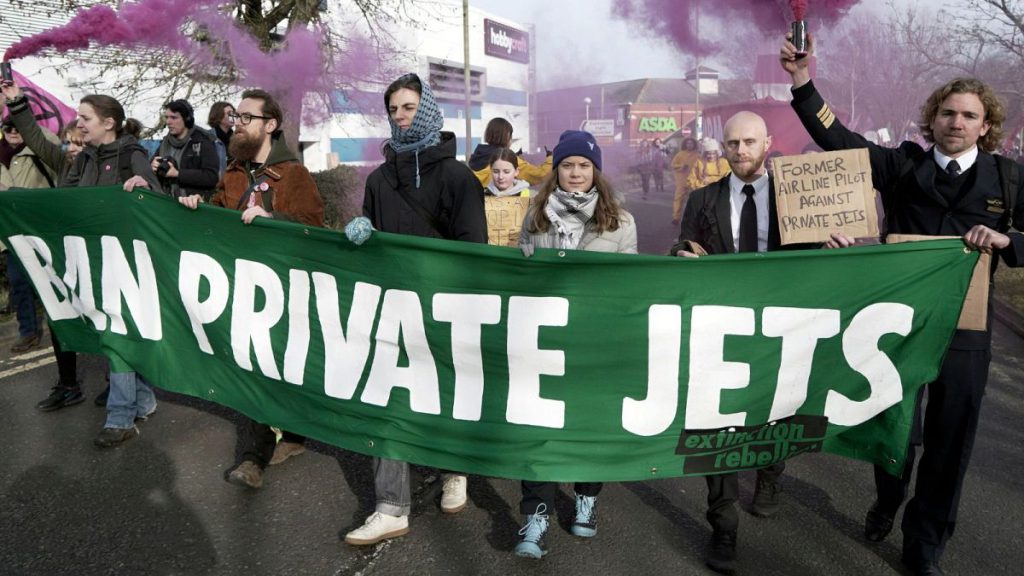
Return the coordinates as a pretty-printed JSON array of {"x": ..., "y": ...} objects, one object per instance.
[
  {"x": 824, "y": 193},
  {"x": 974, "y": 314}
]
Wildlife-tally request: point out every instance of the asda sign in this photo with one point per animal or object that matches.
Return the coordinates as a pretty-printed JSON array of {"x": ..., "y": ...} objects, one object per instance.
[{"x": 658, "y": 124}]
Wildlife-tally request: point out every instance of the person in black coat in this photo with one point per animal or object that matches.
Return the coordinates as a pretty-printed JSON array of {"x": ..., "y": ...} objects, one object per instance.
[
  {"x": 422, "y": 190},
  {"x": 187, "y": 162},
  {"x": 957, "y": 187},
  {"x": 735, "y": 214}
]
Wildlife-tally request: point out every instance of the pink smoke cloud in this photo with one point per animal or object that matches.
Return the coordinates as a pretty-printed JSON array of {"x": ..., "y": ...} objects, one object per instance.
[
  {"x": 291, "y": 72},
  {"x": 799, "y": 8},
  {"x": 673, "y": 19},
  {"x": 154, "y": 23}
]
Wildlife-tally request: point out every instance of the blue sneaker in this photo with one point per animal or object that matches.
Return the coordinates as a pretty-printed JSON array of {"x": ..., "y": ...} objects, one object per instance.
[
  {"x": 532, "y": 544},
  {"x": 585, "y": 524}
]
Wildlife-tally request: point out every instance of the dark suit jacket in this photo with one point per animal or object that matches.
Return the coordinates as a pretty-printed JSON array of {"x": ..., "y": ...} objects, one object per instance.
[
  {"x": 707, "y": 219},
  {"x": 906, "y": 178}
]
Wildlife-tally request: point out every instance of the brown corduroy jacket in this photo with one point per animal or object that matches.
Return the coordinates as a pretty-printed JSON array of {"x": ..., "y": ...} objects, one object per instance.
[{"x": 290, "y": 194}]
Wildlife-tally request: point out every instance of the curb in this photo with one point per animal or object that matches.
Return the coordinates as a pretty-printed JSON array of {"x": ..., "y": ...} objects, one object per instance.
[{"x": 1008, "y": 315}]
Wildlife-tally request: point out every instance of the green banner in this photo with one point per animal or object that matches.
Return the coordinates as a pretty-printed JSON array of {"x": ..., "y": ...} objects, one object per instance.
[{"x": 564, "y": 366}]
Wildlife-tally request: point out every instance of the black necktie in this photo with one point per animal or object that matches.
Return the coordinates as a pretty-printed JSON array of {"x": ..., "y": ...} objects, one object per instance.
[
  {"x": 748, "y": 221},
  {"x": 953, "y": 168}
]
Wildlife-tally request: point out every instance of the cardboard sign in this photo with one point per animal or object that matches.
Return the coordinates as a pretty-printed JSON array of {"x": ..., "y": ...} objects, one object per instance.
[
  {"x": 974, "y": 314},
  {"x": 820, "y": 194},
  {"x": 505, "y": 219}
]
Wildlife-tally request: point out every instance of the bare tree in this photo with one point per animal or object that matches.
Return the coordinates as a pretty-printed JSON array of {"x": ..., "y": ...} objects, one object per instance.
[
  {"x": 873, "y": 75},
  {"x": 135, "y": 75}
]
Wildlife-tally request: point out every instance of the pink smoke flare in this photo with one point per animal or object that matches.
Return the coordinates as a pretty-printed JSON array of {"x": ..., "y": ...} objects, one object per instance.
[
  {"x": 291, "y": 72},
  {"x": 154, "y": 23},
  {"x": 799, "y": 8},
  {"x": 674, "y": 19}
]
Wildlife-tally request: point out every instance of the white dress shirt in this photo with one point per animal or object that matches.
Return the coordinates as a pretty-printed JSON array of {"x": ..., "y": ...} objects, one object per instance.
[
  {"x": 966, "y": 160},
  {"x": 736, "y": 200}
]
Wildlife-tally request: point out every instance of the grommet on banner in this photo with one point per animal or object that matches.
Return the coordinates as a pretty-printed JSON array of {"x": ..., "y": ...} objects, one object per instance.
[
  {"x": 967, "y": 250},
  {"x": 140, "y": 196},
  {"x": 654, "y": 471},
  {"x": 370, "y": 444},
  {"x": 561, "y": 253}
]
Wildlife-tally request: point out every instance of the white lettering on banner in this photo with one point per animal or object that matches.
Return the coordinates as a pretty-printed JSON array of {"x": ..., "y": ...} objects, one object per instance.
[
  {"x": 709, "y": 373},
  {"x": 401, "y": 317},
  {"x": 29, "y": 249},
  {"x": 657, "y": 412},
  {"x": 140, "y": 294},
  {"x": 527, "y": 363},
  {"x": 800, "y": 330},
  {"x": 251, "y": 326},
  {"x": 345, "y": 351},
  {"x": 193, "y": 268},
  {"x": 860, "y": 347},
  {"x": 297, "y": 348},
  {"x": 78, "y": 274},
  {"x": 400, "y": 326},
  {"x": 467, "y": 313}
]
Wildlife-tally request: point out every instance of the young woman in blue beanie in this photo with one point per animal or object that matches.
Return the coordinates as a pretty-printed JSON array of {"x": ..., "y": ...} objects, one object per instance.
[
  {"x": 575, "y": 209},
  {"x": 420, "y": 189}
]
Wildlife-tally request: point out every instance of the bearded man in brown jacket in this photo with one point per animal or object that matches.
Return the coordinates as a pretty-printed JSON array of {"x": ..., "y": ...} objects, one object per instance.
[{"x": 266, "y": 180}]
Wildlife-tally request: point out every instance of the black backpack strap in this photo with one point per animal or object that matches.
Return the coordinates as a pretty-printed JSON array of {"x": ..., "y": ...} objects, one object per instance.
[
  {"x": 1009, "y": 181},
  {"x": 42, "y": 169},
  {"x": 124, "y": 162},
  {"x": 248, "y": 192}
]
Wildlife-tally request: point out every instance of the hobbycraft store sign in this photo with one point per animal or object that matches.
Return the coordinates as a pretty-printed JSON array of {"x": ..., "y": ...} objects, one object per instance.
[{"x": 506, "y": 42}]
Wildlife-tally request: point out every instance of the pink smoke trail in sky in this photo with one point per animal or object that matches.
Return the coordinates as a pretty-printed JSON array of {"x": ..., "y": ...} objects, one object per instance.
[
  {"x": 295, "y": 68},
  {"x": 673, "y": 19},
  {"x": 153, "y": 23}
]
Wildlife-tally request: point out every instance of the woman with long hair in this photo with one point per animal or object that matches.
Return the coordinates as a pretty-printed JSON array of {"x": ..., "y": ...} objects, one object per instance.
[
  {"x": 111, "y": 155},
  {"x": 576, "y": 209},
  {"x": 497, "y": 137}
]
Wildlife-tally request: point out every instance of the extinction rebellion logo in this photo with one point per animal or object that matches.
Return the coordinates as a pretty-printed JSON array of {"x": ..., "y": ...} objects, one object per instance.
[{"x": 750, "y": 447}]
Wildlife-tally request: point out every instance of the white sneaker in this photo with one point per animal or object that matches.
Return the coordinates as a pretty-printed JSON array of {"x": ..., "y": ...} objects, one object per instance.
[
  {"x": 453, "y": 495},
  {"x": 378, "y": 526}
]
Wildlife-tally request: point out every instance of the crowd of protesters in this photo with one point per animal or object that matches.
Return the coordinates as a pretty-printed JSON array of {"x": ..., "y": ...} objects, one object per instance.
[{"x": 722, "y": 203}]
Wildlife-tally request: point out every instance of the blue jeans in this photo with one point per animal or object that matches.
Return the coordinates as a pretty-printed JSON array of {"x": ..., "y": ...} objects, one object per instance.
[
  {"x": 23, "y": 299},
  {"x": 130, "y": 397}
]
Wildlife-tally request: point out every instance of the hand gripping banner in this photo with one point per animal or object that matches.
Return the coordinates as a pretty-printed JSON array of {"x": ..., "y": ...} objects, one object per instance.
[{"x": 564, "y": 366}]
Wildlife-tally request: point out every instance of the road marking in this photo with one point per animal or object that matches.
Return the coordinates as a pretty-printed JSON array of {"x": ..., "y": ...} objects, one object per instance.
[
  {"x": 27, "y": 367},
  {"x": 27, "y": 356}
]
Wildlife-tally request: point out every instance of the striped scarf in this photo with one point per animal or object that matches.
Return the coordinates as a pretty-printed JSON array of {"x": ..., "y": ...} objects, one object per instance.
[{"x": 569, "y": 213}]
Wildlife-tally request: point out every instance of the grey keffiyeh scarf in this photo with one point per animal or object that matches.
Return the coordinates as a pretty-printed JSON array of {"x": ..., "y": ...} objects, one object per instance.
[
  {"x": 569, "y": 213},
  {"x": 424, "y": 131}
]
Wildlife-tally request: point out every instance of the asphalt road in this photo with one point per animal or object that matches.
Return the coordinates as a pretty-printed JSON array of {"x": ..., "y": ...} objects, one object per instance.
[{"x": 159, "y": 504}]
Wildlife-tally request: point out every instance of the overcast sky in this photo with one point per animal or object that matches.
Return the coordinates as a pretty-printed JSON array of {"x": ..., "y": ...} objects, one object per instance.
[{"x": 579, "y": 42}]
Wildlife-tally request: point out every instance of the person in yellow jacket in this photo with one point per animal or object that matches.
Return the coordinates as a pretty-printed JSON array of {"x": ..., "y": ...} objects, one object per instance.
[
  {"x": 683, "y": 164},
  {"x": 711, "y": 167},
  {"x": 498, "y": 135}
]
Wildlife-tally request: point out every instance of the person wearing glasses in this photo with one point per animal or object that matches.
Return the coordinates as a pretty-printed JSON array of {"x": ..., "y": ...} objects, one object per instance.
[{"x": 265, "y": 180}]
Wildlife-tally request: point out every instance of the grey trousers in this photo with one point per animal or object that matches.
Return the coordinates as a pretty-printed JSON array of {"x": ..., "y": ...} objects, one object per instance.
[{"x": 391, "y": 483}]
